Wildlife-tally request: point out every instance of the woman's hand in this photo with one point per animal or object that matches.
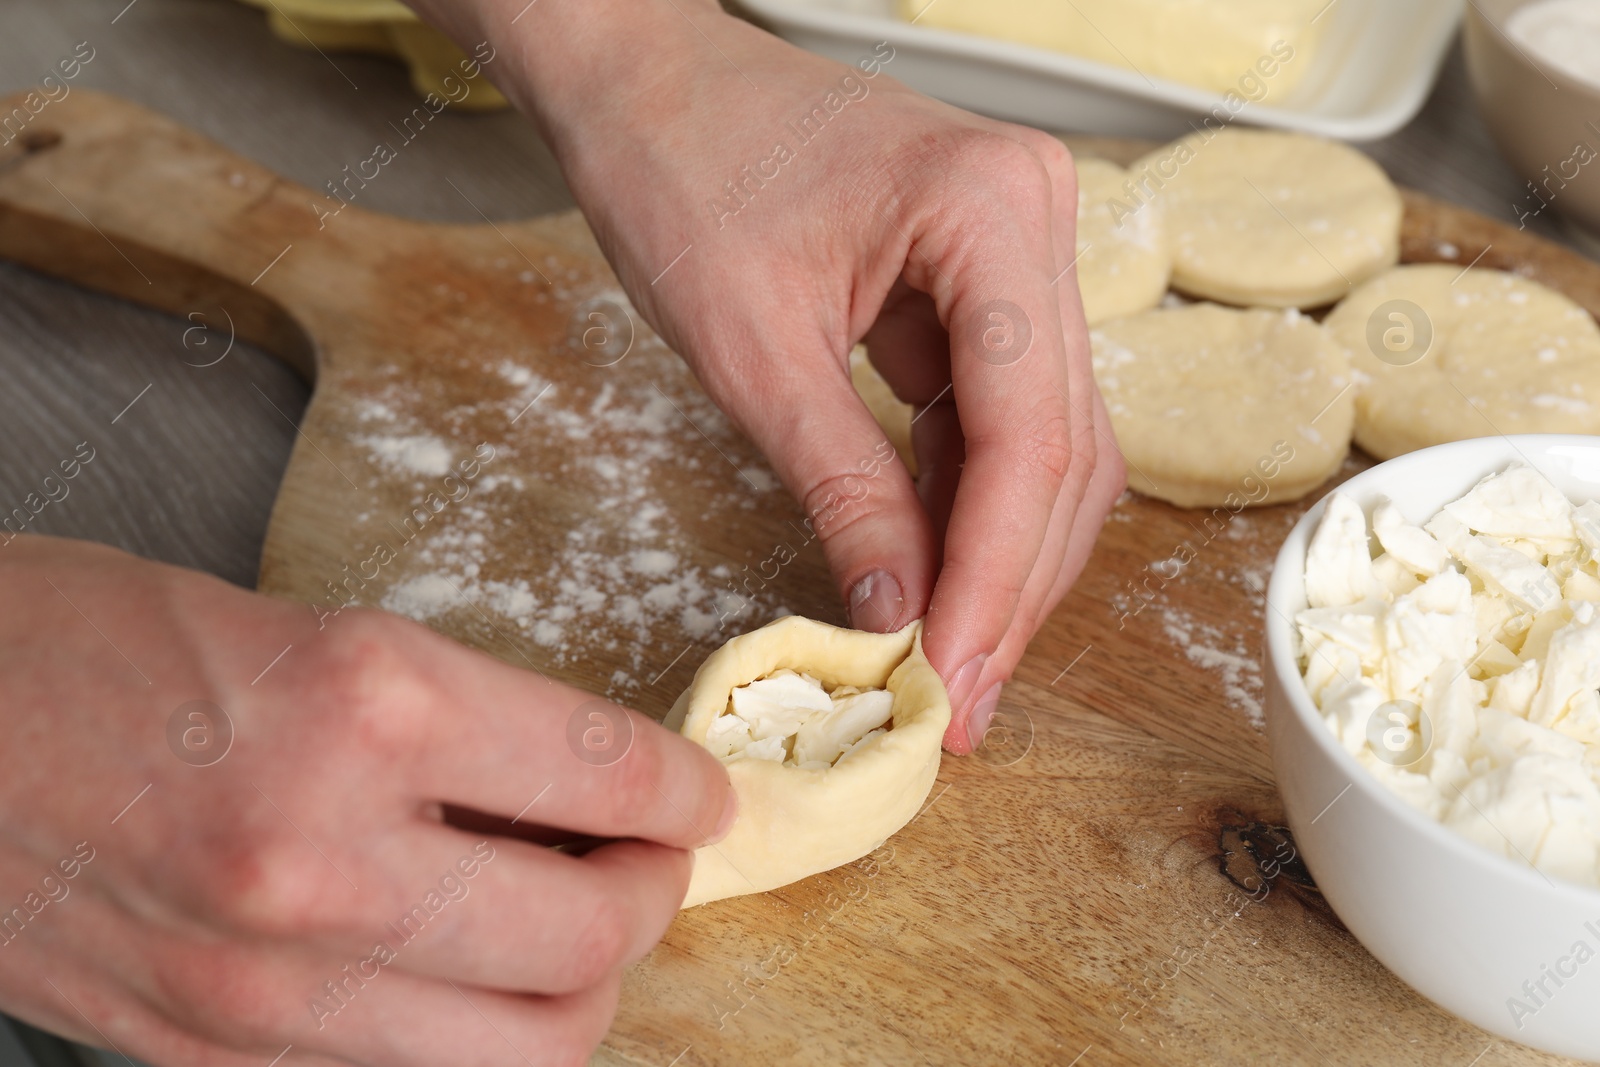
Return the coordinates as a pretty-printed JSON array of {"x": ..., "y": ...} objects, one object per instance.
[
  {"x": 766, "y": 209},
  {"x": 203, "y": 888}
]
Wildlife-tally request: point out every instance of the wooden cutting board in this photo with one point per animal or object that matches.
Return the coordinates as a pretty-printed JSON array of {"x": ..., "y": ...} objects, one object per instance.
[{"x": 1073, "y": 894}]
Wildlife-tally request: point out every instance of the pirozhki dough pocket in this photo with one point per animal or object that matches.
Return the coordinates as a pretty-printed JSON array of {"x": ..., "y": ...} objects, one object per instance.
[{"x": 831, "y": 738}]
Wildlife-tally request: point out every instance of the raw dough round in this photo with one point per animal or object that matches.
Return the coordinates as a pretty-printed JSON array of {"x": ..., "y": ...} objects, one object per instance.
[
  {"x": 893, "y": 414},
  {"x": 1272, "y": 219},
  {"x": 1124, "y": 259},
  {"x": 794, "y": 823},
  {"x": 1214, "y": 406},
  {"x": 1507, "y": 355}
]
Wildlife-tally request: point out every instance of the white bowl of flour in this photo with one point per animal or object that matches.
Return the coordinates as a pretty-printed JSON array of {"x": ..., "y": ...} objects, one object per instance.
[{"x": 1535, "y": 70}]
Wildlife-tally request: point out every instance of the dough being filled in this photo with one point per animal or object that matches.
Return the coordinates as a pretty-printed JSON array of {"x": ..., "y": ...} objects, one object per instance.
[
  {"x": 1271, "y": 219},
  {"x": 834, "y": 771},
  {"x": 1124, "y": 259},
  {"x": 1214, "y": 406},
  {"x": 1505, "y": 355}
]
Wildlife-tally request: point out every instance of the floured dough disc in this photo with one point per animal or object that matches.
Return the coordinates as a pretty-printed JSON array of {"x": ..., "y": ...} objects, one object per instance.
[
  {"x": 892, "y": 413},
  {"x": 1123, "y": 257},
  {"x": 796, "y": 821},
  {"x": 1444, "y": 355},
  {"x": 1217, "y": 407},
  {"x": 1271, "y": 219}
]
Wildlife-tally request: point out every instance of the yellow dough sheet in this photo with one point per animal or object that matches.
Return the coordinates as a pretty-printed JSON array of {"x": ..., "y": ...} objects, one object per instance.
[
  {"x": 1259, "y": 49},
  {"x": 379, "y": 27}
]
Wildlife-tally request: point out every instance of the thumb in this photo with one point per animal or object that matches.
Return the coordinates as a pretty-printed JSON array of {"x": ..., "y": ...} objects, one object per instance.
[{"x": 858, "y": 497}]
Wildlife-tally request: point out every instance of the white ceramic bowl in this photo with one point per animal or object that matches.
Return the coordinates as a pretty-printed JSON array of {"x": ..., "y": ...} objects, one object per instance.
[
  {"x": 1459, "y": 924},
  {"x": 1368, "y": 77}
]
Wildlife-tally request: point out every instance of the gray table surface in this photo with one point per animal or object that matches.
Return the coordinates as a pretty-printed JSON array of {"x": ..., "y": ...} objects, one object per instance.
[{"x": 188, "y": 473}]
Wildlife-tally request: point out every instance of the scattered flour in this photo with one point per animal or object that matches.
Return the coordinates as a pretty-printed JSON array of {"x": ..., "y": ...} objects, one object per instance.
[
  {"x": 623, "y": 588},
  {"x": 423, "y": 597},
  {"x": 422, "y": 454},
  {"x": 1236, "y": 666}
]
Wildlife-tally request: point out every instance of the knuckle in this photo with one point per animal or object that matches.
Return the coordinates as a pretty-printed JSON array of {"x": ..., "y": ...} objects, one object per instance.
[
  {"x": 634, "y": 781},
  {"x": 1086, "y": 458},
  {"x": 269, "y": 888},
  {"x": 1008, "y": 589},
  {"x": 840, "y": 501},
  {"x": 1046, "y": 446},
  {"x": 1014, "y": 167},
  {"x": 1113, "y": 469},
  {"x": 223, "y": 992},
  {"x": 600, "y": 944},
  {"x": 1052, "y": 152},
  {"x": 370, "y": 691}
]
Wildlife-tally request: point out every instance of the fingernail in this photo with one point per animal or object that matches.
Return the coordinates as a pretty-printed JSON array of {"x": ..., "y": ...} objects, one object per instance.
[
  {"x": 730, "y": 812},
  {"x": 876, "y": 602},
  {"x": 964, "y": 681},
  {"x": 978, "y": 725}
]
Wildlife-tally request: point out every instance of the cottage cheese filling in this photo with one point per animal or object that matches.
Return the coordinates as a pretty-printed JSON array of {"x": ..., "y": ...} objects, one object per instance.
[
  {"x": 1459, "y": 661},
  {"x": 792, "y": 719}
]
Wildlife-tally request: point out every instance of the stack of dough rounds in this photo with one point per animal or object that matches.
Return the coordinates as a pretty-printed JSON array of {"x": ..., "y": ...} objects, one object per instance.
[
  {"x": 1216, "y": 406},
  {"x": 1271, "y": 219},
  {"x": 1124, "y": 257},
  {"x": 795, "y": 822},
  {"x": 1507, "y": 356}
]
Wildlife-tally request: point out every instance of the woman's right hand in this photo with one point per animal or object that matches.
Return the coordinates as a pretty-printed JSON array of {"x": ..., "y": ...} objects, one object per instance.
[{"x": 304, "y": 889}]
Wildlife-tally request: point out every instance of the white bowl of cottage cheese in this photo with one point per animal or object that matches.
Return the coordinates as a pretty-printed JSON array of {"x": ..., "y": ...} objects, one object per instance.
[{"x": 1433, "y": 706}]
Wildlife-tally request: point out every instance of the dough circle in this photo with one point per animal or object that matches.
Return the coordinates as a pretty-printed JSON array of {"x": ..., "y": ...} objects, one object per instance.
[
  {"x": 893, "y": 414},
  {"x": 1271, "y": 219},
  {"x": 1216, "y": 406},
  {"x": 794, "y": 823},
  {"x": 1124, "y": 260},
  {"x": 1507, "y": 356}
]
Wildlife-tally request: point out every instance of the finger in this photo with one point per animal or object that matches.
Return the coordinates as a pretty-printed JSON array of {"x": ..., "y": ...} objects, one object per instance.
[
  {"x": 857, "y": 495},
  {"x": 940, "y": 450},
  {"x": 968, "y": 723},
  {"x": 397, "y": 1019},
  {"x": 81, "y": 1009},
  {"x": 1040, "y": 592},
  {"x": 1105, "y": 486},
  {"x": 354, "y": 1006},
  {"x": 504, "y": 914},
  {"x": 991, "y": 276},
  {"x": 510, "y": 743}
]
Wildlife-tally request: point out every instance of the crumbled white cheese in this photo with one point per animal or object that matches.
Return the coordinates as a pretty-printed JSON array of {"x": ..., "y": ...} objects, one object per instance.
[
  {"x": 1462, "y": 664},
  {"x": 1339, "y": 561},
  {"x": 791, "y": 718},
  {"x": 1408, "y": 545}
]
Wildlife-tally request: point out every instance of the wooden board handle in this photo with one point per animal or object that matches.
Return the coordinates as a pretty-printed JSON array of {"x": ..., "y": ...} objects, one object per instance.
[{"x": 120, "y": 199}]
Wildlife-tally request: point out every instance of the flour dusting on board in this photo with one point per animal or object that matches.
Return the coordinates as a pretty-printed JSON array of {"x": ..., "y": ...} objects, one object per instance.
[
  {"x": 1227, "y": 656},
  {"x": 1228, "y": 644},
  {"x": 622, "y": 588},
  {"x": 417, "y": 453},
  {"x": 1231, "y": 583}
]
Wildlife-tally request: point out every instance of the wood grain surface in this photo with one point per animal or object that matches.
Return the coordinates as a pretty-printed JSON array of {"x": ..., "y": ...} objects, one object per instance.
[{"x": 1088, "y": 888}]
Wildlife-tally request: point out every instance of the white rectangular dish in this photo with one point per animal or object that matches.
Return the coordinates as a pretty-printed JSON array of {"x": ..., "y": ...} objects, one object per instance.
[{"x": 1369, "y": 74}]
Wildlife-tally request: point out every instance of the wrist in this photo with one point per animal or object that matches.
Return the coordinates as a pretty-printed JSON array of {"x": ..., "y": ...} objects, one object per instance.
[{"x": 581, "y": 69}]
